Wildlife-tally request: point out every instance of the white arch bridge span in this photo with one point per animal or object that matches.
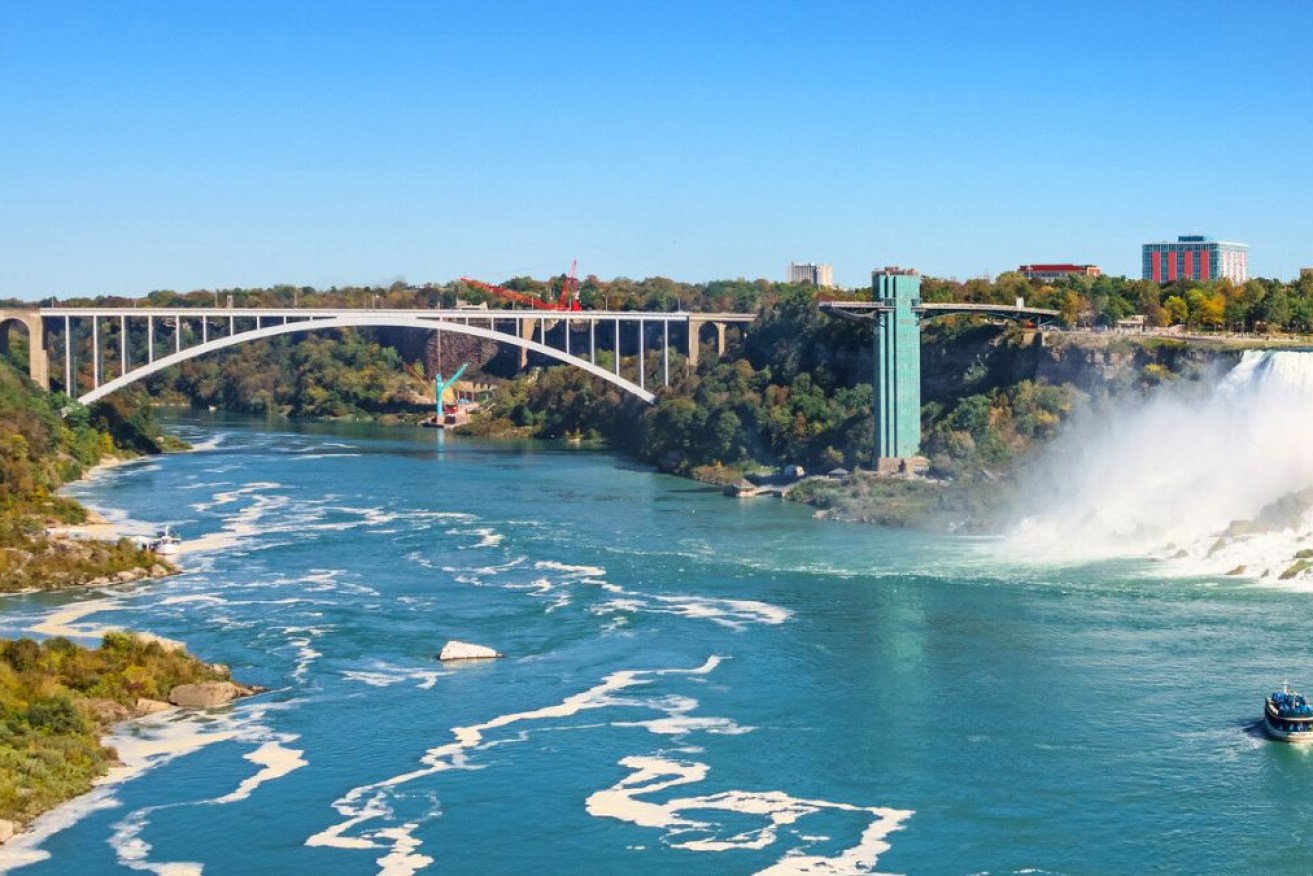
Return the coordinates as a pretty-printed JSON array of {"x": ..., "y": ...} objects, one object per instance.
[{"x": 126, "y": 344}]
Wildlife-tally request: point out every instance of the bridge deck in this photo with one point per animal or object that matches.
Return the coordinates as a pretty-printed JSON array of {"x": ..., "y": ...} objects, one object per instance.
[
  {"x": 866, "y": 310},
  {"x": 448, "y": 314}
]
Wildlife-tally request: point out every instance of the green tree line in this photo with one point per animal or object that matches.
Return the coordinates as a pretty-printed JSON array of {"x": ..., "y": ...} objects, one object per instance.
[
  {"x": 47, "y": 440},
  {"x": 53, "y": 698}
]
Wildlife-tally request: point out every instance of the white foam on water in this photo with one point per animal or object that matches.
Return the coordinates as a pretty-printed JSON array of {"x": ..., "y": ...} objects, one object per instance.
[
  {"x": 404, "y": 858},
  {"x": 735, "y": 614},
  {"x": 680, "y": 725},
  {"x": 777, "y": 810},
  {"x": 371, "y": 516},
  {"x": 382, "y": 674},
  {"x": 227, "y": 497},
  {"x": 301, "y": 639},
  {"x": 142, "y": 745},
  {"x": 494, "y": 569},
  {"x": 488, "y": 537},
  {"x": 545, "y": 587},
  {"x": 677, "y": 720},
  {"x": 64, "y": 621},
  {"x": 207, "y": 598},
  {"x": 24, "y": 849},
  {"x": 368, "y": 802},
  {"x": 1260, "y": 558},
  {"x": 276, "y": 762},
  {"x": 243, "y": 525},
  {"x": 213, "y": 442},
  {"x": 577, "y": 571}
]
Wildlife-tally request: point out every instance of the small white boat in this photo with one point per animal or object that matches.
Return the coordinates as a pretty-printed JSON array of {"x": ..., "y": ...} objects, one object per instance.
[
  {"x": 1287, "y": 716},
  {"x": 166, "y": 543}
]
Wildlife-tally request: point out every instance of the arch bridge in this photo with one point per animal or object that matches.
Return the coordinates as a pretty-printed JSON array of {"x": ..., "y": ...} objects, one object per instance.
[{"x": 127, "y": 344}]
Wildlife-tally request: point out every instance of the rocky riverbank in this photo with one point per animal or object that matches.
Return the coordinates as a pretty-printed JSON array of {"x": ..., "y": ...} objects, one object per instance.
[
  {"x": 91, "y": 553},
  {"x": 61, "y": 700}
]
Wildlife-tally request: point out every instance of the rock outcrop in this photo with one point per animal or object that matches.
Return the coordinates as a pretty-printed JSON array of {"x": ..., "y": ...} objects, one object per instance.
[
  {"x": 145, "y": 706},
  {"x": 207, "y": 694},
  {"x": 169, "y": 646},
  {"x": 6, "y": 830},
  {"x": 454, "y": 650},
  {"x": 107, "y": 711}
]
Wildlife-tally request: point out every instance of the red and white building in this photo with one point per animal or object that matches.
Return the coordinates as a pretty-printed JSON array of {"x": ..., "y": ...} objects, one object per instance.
[
  {"x": 1195, "y": 257},
  {"x": 1057, "y": 271}
]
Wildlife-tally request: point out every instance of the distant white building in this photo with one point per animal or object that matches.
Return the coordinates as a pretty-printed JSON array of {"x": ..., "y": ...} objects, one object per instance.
[{"x": 806, "y": 272}]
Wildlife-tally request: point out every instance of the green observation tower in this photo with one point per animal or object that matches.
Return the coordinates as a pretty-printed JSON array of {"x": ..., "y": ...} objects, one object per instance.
[{"x": 897, "y": 363}]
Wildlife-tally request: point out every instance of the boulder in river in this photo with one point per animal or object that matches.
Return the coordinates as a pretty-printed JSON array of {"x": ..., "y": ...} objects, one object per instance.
[
  {"x": 454, "y": 650},
  {"x": 206, "y": 694},
  {"x": 6, "y": 830}
]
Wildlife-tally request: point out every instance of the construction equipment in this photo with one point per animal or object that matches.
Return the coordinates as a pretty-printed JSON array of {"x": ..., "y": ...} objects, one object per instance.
[
  {"x": 568, "y": 300},
  {"x": 440, "y": 388},
  {"x": 509, "y": 294},
  {"x": 444, "y": 415}
]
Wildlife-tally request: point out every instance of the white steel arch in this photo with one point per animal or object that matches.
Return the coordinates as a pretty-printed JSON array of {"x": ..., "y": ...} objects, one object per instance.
[{"x": 379, "y": 321}]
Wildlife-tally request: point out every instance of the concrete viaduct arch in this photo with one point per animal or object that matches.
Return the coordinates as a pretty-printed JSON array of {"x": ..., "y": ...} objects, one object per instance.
[{"x": 38, "y": 365}]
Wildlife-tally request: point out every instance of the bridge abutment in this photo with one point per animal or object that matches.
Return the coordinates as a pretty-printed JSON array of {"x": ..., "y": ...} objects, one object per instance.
[{"x": 38, "y": 361}]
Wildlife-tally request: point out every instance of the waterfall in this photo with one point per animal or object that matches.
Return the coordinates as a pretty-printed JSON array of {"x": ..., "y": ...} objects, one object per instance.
[{"x": 1209, "y": 477}]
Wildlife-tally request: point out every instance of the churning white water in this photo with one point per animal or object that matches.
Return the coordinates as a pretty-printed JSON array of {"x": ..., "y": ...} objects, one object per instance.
[{"x": 1188, "y": 476}]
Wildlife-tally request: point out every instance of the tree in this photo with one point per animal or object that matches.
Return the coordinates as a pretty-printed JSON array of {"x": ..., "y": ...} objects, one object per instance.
[
  {"x": 1177, "y": 310},
  {"x": 727, "y": 437},
  {"x": 1274, "y": 310}
]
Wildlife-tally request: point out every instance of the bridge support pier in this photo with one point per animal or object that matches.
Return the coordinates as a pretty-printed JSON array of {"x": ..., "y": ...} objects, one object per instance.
[
  {"x": 526, "y": 332},
  {"x": 38, "y": 361}
]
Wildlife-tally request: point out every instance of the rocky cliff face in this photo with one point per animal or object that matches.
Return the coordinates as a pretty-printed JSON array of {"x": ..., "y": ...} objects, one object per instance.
[
  {"x": 986, "y": 357},
  {"x": 1110, "y": 363},
  {"x": 446, "y": 355}
]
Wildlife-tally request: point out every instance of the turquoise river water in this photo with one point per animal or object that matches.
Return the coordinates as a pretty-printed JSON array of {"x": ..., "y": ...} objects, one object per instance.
[{"x": 691, "y": 684}]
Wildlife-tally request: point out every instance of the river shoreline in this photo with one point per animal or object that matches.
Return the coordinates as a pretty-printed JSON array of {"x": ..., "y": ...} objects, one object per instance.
[{"x": 169, "y": 733}]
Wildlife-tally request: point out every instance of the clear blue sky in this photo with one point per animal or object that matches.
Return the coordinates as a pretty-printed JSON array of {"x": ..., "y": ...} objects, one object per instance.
[{"x": 201, "y": 145}]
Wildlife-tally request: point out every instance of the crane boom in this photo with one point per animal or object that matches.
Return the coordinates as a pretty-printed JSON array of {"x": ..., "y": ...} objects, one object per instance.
[
  {"x": 510, "y": 294},
  {"x": 569, "y": 299}
]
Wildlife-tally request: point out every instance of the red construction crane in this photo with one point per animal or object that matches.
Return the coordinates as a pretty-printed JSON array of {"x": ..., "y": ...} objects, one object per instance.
[
  {"x": 510, "y": 294},
  {"x": 569, "y": 299}
]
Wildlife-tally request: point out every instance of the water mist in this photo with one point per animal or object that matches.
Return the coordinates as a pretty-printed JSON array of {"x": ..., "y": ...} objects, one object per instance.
[{"x": 1207, "y": 478}]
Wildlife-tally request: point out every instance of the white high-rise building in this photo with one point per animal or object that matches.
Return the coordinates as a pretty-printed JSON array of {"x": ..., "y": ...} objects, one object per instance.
[{"x": 806, "y": 272}]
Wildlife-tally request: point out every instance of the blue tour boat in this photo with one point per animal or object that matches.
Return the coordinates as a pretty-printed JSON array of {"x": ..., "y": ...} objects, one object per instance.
[{"x": 1288, "y": 716}]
